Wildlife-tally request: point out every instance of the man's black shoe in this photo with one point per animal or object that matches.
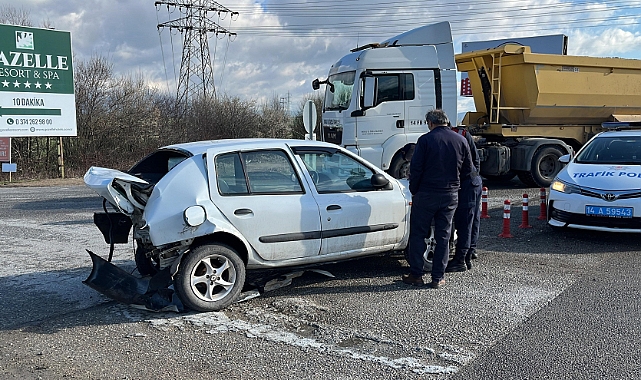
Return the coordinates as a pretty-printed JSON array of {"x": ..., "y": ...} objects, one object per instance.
[
  {"x": 475, "y": 256},
  {"x": 468, "y": 263},
  {"x": 437, "y": 284},
  {"x": 410, "y": 279},
  {"x": 455, "y": 267}
]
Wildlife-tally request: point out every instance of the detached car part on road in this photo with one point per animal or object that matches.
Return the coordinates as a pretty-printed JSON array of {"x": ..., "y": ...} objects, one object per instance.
[
  {"x": 600, "y": 188},
  {"x": 205, "y": 212}
]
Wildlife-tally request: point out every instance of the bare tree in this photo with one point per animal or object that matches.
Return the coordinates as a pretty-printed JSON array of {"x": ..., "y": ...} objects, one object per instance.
[
  {"x": 14, "y": 16},
  {"x": 298, "y": 129}
]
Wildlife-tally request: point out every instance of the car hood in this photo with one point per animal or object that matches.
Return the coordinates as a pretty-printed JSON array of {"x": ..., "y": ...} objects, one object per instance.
[
  {"x": 605, "y": 177},
  {"x": 115, "y": 187}
]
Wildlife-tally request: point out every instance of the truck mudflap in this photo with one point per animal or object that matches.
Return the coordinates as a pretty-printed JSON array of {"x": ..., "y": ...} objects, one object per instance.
[{"x": 152, "y": 294}]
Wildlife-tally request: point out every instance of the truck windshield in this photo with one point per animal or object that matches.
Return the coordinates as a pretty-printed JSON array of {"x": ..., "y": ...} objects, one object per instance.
[{"x": 338, "y": 93}]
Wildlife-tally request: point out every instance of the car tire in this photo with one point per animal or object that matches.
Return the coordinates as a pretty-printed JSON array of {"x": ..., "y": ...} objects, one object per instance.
[{"x": 210, "y": 277}]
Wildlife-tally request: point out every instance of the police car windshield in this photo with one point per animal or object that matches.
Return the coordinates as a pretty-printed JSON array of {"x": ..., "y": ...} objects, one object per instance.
[{"x": 612, "y": 150}]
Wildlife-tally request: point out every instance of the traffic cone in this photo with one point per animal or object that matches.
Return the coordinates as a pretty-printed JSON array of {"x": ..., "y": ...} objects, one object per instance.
[
  {"x": 484, "y": 214},
  {"x": 525, "y": 223},
  {"x": 506, "y": 220},
  {"x": 543, "y": 215}
]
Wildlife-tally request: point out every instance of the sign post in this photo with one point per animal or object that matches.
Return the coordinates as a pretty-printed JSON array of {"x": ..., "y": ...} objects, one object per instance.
[
  {"x": 309, "y": 119},
  {"x": 5, "y": 156},
  {"x": 36, "y": 83}
]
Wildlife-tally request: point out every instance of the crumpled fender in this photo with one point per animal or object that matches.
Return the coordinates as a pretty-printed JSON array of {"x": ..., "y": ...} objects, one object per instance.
[{"x": 119, "y": 285}]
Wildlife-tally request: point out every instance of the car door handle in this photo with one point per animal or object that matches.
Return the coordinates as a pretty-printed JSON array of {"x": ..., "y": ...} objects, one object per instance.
[
  {"x": 243, "y": 211},
  {"x": 333, "y": 207}
]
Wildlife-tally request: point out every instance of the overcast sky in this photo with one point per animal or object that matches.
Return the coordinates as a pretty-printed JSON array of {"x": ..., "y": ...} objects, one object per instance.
[{"x": 282, "y": 45}]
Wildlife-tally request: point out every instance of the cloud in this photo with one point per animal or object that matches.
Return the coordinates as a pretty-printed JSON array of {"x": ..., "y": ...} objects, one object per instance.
[
  {"x": 281, "y": 45},
  {"x": 608, "y": 43}
]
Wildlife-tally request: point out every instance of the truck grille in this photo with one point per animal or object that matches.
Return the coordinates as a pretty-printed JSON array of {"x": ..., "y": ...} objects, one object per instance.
[
  {"x": 333, "y": 135},
  {"x": 619, "y": 194}
]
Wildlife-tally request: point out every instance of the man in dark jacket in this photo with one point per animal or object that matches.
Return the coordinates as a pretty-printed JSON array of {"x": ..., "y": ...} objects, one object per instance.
[
  {"x": 467, "y": 216},
  {"x": 440, "y": 160}
]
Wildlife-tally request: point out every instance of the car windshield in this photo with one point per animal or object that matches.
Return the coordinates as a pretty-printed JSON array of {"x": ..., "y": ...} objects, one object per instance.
[
  {"x": 612, "y": 150},
  {"x": 338, "y": 93}
]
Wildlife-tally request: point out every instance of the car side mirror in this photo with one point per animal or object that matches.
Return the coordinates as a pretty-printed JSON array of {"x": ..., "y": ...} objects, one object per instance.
[
  {"x": 565, "y": 158},
  {"x": 379, "y": 181},
  {"x": 316, "y": 84}
]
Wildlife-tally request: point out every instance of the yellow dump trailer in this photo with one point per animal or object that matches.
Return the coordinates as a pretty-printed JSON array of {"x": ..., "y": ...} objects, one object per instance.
[{"x": 532, "y": 108}]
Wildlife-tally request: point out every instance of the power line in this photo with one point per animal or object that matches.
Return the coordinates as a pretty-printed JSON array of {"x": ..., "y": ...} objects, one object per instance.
[{"x": 196, "y": 79}]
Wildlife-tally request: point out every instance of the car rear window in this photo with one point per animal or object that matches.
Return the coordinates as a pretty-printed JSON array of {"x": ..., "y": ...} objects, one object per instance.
[{"x": 155, "y": 166}]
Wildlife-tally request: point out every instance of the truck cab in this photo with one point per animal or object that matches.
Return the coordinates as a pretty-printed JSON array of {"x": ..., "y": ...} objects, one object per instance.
[{"x": 376, "y": 97}]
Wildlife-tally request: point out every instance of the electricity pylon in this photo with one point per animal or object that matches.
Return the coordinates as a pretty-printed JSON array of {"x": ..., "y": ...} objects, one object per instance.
[{"x": 196, "y": 78}]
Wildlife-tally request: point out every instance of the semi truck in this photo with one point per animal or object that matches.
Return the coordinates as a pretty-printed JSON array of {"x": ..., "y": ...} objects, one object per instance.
[{"x": 530, "y": 108}]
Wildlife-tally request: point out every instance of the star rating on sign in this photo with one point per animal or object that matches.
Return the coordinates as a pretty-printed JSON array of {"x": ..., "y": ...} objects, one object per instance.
[{"x": 26, "y": 84}]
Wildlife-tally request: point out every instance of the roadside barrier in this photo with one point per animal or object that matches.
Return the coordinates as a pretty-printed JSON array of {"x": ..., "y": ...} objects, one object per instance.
[
  {"x": 543, "y": 215},
  {"x": 525, "y": 223},
  {"x": 506, "y": 220},
  {"x": 484, "y": 214}
]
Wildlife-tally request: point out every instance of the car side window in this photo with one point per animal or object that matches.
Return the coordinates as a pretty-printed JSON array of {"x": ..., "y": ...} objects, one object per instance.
[
  {"x": 337, "y": 172},
  {"x": 258, "y": 172},
  {"x": 270, "y": 172},
  {"x": 230, "y": 175}
]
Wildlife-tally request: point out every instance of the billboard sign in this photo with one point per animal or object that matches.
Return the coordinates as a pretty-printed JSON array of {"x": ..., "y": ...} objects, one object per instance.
[{"x": 36, "y": 83}]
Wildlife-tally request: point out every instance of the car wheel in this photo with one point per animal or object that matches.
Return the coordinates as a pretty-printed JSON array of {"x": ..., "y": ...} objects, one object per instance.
[{"x": 210, "y": 278}]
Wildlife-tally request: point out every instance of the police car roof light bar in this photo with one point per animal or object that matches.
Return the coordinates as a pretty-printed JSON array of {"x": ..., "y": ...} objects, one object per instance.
[{"x": 619, "y": 125}]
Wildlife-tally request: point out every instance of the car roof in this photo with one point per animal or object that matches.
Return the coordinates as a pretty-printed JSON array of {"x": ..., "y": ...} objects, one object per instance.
[
  {"x": 200, "y": 147},
  {"x": 624, "y": 133}
]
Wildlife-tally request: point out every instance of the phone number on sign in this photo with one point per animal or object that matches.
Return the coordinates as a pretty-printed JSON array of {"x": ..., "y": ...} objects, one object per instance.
[{"x": 30, "y": 121}]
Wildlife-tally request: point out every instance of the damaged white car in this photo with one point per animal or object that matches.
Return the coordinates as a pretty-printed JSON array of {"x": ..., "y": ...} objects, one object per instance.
[{"x": 204, "y": 213}]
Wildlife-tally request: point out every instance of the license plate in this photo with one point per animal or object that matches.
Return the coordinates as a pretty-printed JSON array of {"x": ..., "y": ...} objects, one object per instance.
[{"x": 610, "y": 212}]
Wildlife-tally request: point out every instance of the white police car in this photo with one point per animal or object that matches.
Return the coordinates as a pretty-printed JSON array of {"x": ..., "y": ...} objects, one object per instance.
[{"x": 600, "y": 188}]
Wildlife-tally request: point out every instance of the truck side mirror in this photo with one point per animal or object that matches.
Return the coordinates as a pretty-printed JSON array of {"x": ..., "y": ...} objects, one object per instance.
[
  {"x": 316, "y": 84},
  {"x": 369, "y": 91}
]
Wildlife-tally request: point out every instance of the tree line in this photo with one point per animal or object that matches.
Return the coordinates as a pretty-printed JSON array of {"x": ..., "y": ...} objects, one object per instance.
[{"x": 121, "y": 118}]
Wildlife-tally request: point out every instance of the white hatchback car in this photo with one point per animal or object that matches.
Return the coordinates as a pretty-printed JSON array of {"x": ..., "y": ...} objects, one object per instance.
[
  {"x": 205, "y": 212},
  {"x": 600, "y": 188}
]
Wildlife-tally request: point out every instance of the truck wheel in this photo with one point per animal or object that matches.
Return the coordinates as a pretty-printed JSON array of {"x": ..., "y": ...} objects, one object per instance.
[
  {"x": 210, "y": 278},
  {"x": 545, "y": 166},
  {"x": 400, "y": 168}
]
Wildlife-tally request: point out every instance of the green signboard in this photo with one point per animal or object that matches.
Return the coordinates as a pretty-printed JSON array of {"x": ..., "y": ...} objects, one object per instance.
[{"x": 36, "y": 83}]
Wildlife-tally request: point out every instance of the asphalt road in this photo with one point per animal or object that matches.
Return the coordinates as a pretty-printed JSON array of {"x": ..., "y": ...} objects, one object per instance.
[{"x": 536, "y": 306}]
